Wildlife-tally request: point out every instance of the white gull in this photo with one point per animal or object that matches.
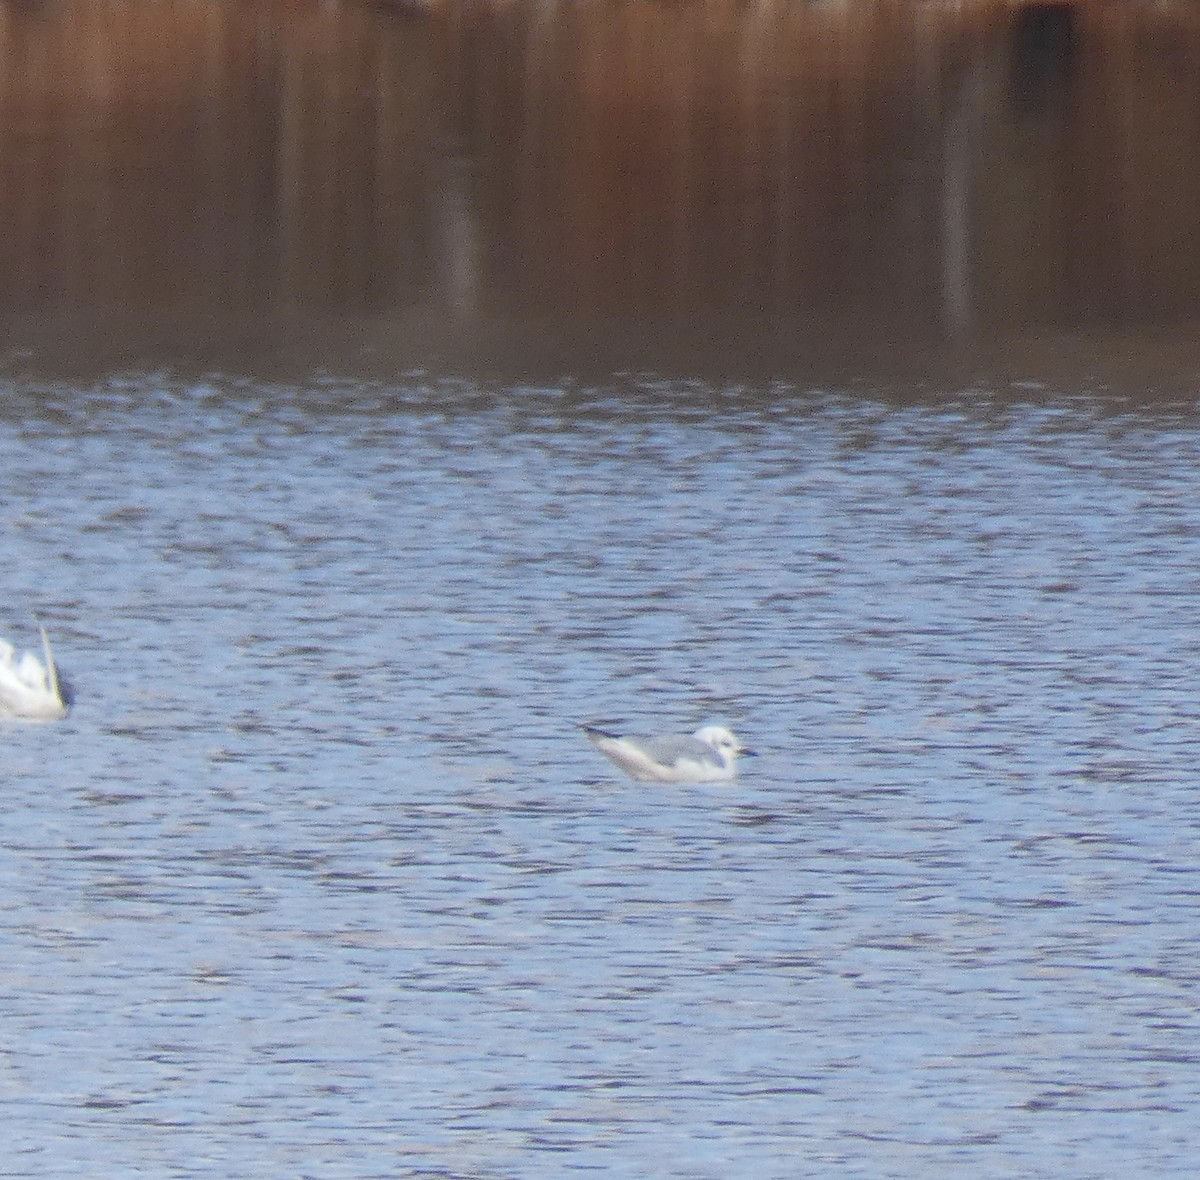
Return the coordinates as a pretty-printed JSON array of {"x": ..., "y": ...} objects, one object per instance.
[
  {"x": 30, "y": 689},
  {"x": 707, "y": 756}
]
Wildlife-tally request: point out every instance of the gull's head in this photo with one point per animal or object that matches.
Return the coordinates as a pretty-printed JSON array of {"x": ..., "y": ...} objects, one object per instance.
[{"x": 722, "y": 741}]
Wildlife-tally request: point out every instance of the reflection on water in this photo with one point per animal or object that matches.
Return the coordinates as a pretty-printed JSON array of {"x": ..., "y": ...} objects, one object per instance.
[{"x": 764, "y": 177}]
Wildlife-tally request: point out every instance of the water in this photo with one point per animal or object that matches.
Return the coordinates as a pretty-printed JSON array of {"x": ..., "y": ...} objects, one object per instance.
[
  {"x": 319, "y": 879},
  {"x": 531, "y": 187}
]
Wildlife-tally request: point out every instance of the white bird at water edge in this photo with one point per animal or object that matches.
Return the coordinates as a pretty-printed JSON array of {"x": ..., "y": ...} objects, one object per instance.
[
  {"x": 707, "y": 756},
  {"x": 30, "y": 689}
]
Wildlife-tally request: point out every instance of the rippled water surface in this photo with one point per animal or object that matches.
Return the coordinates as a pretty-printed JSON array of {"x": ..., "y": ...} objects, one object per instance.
[{"x": 318, "y": 879}]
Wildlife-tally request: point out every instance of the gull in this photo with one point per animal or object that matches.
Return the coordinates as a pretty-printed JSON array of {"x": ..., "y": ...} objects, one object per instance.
[
  {"x": 707, "y": 756},
  {"x": 30, "y": 689}
]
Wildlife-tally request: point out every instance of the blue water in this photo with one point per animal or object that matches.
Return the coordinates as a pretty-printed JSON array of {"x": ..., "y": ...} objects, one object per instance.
[{"x": 319, "y": 879}]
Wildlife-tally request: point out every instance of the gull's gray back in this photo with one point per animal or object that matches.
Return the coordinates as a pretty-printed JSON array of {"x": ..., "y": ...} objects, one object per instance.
[{"x": 669, "y": 748}]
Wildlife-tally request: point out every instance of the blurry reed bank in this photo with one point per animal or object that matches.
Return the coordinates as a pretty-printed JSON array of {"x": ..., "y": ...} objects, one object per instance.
[{"x": 642, "y": 183}]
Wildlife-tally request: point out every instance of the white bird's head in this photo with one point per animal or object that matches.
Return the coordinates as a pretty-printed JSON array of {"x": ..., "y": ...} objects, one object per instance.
[{"x": 722, "y": 741}]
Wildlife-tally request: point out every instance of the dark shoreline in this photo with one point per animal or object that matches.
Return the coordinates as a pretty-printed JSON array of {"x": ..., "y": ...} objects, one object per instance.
[{"x": 1152, "y": 363}]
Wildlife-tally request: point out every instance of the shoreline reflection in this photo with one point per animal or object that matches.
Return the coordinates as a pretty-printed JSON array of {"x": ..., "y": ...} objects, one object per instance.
[{"x": 866, "y": 182}]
